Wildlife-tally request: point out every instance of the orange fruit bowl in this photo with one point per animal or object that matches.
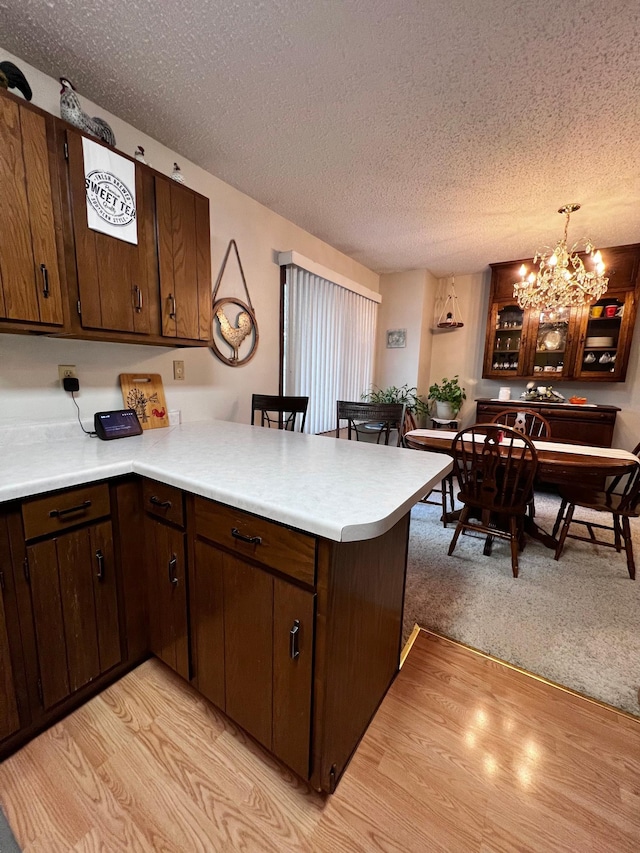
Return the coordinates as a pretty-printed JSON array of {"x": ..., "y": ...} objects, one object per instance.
[{"x": 578, "y": 401}]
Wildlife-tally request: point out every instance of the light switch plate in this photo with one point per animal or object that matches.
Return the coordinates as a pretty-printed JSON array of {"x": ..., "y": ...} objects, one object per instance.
[{"x": 178, "y": 369}]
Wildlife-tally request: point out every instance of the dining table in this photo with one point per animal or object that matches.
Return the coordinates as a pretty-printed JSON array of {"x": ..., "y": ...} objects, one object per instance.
[{"x": 559, "y": 463}]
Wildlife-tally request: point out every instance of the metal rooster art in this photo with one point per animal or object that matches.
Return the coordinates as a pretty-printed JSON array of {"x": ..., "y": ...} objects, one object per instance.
[
  {"x": 234, "y": 335},
  {"x": 71, "y": 111},
  {"x": 12, "y": 78}
]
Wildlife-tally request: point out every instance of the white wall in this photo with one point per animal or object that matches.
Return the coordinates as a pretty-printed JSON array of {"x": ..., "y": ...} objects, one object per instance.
[
  {"x": 29, "y": 388},
  {"x": 407, "y": 303}
]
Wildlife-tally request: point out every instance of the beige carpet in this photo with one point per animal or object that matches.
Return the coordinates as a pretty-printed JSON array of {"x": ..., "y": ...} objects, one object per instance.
[{"x": 575, "y": 621}]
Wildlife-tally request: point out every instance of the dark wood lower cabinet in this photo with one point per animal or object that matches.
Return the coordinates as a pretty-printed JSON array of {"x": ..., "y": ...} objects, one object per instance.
[
  {"x": 254, "y": 639},
  {"x": 593, "y": 425},
  {"x": 295, "y": 637},
  {"x": 75, "y": 608},
  {"x": 167, "y": 580}
]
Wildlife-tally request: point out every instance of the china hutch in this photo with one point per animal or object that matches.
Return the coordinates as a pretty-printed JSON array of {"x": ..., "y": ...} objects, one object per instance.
[{"x": 589, "y": 343}]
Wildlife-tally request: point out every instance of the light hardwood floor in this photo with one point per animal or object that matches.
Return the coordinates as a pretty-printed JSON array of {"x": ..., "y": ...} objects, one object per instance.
[{"x": 465, "y": 754}]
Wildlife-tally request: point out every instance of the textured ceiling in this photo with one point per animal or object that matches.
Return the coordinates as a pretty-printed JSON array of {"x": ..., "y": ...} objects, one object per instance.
[{"x": 438, "y": 134}]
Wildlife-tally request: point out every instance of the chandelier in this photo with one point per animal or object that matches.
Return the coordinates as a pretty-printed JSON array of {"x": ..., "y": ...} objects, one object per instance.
[{"x": 562, "y": 279}]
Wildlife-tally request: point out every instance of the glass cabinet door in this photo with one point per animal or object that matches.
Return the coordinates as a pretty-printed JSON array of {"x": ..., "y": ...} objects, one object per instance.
[
  {"x": 603, "y": 337},
  {"x": 504, "y": 347},
  {"x": 552, "y": 340}
]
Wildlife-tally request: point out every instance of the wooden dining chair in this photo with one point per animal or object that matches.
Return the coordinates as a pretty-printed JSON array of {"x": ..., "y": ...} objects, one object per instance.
[
  {"x": 367, "y": 419},
  {"x": 526, "y": 421},
  {"x": 495, "y": 467},
  {"x": 279, "y": 412},
  {"x": 445, "y": 489},
  {"x": 620, "y": 500}
]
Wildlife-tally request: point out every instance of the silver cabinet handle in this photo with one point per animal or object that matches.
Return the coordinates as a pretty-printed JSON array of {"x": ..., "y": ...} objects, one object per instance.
[
  {"x": 172, "y": 313},
  {"x": 100, "y": 560},
  {"x": 45, "y": 281},
  {"x": 138, "y": 295},
  {"x": 173, "y": 562},
  {"x": 294, "y": 637}
]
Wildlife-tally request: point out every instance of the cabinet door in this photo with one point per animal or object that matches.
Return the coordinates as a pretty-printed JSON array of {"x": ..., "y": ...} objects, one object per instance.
[
  {"x": 167, "y": 595},
  {"x": 29, "y": 272},
  {"x": 605, "y": 337},
  {"x": 207, "y": 621},
  {"x": 293, "y": 635},
  {"x": 553, "y": 336},
  {"x": 506, "y": 354},
  {"x": 254, "y": 639},
  {"x": 73, "y": 590},
  {"x": 9, "y": 717},
  {"x": 115, "y": 279},
  {"x": 184, "y": 255}
]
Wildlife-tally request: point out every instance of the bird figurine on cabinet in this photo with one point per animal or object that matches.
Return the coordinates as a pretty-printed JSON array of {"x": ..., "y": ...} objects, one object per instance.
[
  {"x": 234, "y": 335},
  {"x": 12, "y": 78},
  {"x": 71, "y": 111},
  {"x": 177, "y": 175},
  {"x": 138, "y": 155}
]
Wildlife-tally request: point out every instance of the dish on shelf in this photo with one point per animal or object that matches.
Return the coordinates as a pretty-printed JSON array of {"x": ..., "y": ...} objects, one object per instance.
[
  {"x": 602, "y": 342},
  {"x": 552, "y": 340}
]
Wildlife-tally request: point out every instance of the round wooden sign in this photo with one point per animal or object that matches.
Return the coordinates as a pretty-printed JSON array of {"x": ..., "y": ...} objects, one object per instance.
[{"x": 234, "y": 331}]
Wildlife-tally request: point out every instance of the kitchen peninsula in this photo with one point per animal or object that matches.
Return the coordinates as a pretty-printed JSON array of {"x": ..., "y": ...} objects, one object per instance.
[{"x": 266, "y": 567}]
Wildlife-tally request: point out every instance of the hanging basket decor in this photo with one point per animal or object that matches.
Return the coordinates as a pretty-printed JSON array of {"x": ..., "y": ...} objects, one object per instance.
[
  {"x": 450, "y": 317},
  {"x": 233, "y": 328}
]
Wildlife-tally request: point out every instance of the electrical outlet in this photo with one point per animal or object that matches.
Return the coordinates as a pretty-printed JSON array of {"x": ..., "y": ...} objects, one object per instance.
[
  {"x": 67, "y": 371},
  {"x": 178, "y": 369}
]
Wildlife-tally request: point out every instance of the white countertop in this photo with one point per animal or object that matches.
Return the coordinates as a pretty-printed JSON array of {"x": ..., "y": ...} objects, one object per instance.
[{"x": 342, "y": 490}]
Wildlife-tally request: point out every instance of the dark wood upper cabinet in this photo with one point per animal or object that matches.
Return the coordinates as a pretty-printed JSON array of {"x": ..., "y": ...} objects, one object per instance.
[
  {"x": 116, "y": 280},
  {"x": 58, "y": 276},
  {"x": 184, "y": 257},
  {"x": 30, "y": 286},
  {"x": 589, "y": 343}
]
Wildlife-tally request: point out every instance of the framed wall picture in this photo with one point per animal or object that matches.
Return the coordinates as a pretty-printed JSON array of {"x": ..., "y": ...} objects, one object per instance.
[{"x": 396, "y": 338}]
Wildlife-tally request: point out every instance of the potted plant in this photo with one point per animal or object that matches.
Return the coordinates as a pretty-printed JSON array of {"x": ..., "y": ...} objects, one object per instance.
[
  {"x": 415, "y": 404},
  {"x": 448, "y": 397}
]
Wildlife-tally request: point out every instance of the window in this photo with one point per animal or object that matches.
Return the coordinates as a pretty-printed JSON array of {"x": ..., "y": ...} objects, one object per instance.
[{"x": 329, "y": 344}]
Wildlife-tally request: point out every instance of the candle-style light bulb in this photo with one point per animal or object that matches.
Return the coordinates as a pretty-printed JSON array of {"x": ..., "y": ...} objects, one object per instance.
[{"x": 523, "y": 271}]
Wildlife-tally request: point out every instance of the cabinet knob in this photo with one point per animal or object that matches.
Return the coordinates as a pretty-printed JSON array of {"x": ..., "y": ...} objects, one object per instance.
[{"x": 294, "y": 638}]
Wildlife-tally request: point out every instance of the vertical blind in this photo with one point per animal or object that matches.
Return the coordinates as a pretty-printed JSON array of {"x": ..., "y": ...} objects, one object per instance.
[{"x": 329, "y": 344}]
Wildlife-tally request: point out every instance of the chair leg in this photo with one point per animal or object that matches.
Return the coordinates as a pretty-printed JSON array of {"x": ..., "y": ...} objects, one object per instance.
[
  {"x": 459, "y": 527},
  {"x": 628, "y": 546},
  {"x": 443, "y": 492},
  {"x": 565, "y": 530},
  {"x": 617, "y": 533},
  {"x": 513, "y": 528},
  {"x": 556, "y": 526},
  {"x": 488, "y": 545}
]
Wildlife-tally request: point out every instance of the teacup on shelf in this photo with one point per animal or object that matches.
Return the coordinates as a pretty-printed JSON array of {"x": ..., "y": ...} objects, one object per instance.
[
  {"x": 605, "y": 358},
  {"x": 590, "y": 358}
]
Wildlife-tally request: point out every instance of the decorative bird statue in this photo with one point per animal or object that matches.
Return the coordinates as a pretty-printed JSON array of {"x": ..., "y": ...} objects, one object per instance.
[
  {"x": 12, "y": 78},
  {"x": 71, "y": 111},
  {"x": 177, "y": 175},
  {"x": 139, "y": 155},
  {"x": 234, "y": 335}
]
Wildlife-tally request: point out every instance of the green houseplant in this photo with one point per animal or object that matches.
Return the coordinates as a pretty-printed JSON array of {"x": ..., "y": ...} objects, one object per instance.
[
  {"x": 448, "y": 397},
  {"x": 415, "y": 404}
]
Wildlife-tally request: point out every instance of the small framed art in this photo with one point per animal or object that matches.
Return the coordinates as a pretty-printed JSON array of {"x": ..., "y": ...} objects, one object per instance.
[{"x": 396, "y": 338}]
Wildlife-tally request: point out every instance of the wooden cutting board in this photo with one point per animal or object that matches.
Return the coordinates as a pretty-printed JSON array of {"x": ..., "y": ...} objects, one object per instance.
[{"x": 143, "y": 392}]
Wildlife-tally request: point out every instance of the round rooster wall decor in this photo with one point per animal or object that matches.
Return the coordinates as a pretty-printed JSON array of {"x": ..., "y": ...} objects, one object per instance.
[{"x": 234, "y": 321}]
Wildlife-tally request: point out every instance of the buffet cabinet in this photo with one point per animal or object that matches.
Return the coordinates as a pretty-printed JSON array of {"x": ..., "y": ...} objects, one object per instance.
[
  {"x": 60, "y": 277},
  {"x": 589, "y": 343},
  {"x": 294, "y": 637},
  {"x": 592, "y": 425}
]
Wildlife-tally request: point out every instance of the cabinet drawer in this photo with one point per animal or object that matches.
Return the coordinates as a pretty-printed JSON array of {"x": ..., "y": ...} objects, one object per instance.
[
  {"x": 288, "y": 551},
  {"x": 42, "y": 516},
  {"x": 163, "y": 501}
]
